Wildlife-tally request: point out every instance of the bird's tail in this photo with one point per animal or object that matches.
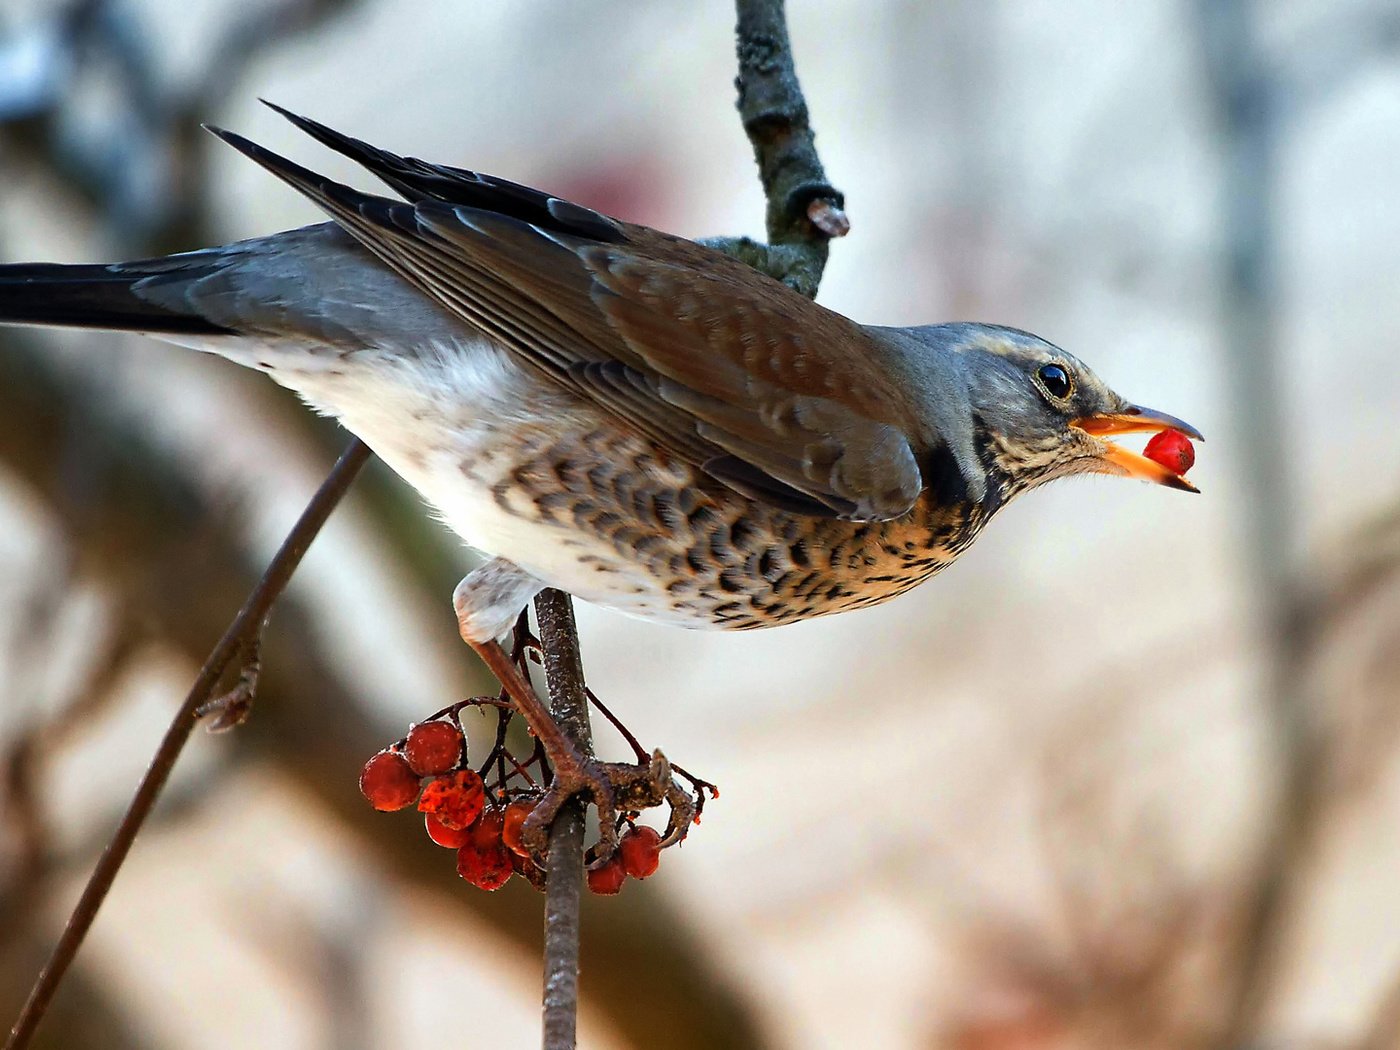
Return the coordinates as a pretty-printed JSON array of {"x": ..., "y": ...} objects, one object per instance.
[{"x": 101, "y": 296}]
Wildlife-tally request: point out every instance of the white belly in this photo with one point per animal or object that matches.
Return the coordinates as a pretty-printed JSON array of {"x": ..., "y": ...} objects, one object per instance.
[{"x": 454, "y": 422}]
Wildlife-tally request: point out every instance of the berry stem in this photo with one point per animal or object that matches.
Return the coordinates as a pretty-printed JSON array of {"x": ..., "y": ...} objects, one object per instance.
[{"x": 642, "y": 754}]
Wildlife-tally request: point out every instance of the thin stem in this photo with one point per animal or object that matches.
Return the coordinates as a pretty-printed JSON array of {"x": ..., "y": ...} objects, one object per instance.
[
  {"x": 563, "y": 668},
  {"x": 241, "y": 637}
]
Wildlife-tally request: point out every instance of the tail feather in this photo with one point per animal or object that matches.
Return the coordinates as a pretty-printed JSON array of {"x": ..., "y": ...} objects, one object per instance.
[{"x": 95, "y": 296}]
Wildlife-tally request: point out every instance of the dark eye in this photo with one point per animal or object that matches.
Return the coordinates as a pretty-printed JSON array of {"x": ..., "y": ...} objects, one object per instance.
[{"x": 1056, "y": 380}]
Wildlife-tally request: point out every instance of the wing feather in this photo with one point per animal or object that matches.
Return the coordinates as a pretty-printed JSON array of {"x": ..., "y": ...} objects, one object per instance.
[{"x": 771, "y": 394}]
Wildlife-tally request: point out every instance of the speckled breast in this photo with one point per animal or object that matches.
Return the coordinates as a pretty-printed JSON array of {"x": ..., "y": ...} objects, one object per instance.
[{"x": 658, "y": 538}]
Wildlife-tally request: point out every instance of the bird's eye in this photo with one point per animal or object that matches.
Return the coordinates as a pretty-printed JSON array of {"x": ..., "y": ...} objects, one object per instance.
[{"x": 1056, "y": 381}]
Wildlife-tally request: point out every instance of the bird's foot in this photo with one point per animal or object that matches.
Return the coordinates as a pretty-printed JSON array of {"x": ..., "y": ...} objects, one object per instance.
[
  {"x": 685, "y": 807},
  {"x": 574, "y": 773},
  {"x": 619, "y": 790}
]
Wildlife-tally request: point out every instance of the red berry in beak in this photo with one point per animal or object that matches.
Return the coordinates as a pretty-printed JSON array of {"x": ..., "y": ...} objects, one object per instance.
[{"x": 1173, "y": 450}]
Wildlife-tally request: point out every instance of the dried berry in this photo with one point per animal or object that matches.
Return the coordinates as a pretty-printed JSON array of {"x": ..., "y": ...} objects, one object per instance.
[
  {"x": 513, "y": 824},
  {"x": 483, "y": 860},
  {"x": 388, "y": 782},
  {"x": 607, "y": 879},
  {"x": 486, "y": 869},
  {"x": 433, "y": 747},
  {"x": 640, "y": 851},
  {"x": 451, "y": 838},
  {"x": 455, "y": 799},
  {"x": 1173, "y": 450},
  {"x": 528, "y": 870}
]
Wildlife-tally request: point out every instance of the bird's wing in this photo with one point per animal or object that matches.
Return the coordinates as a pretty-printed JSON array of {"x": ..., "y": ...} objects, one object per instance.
[{"x": 775, "y": 396}]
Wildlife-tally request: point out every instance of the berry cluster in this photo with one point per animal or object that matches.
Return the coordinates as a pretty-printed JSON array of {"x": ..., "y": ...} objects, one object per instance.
[
  {"x": 459, "y": 811},
  {"x": 484, "y": 821},
  {"x": 482, "y": 812}
]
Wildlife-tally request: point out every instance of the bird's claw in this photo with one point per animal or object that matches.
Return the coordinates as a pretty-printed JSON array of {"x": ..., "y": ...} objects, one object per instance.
[
  {"x": 574, "y": 775},
  {"x": 613, "y": 787}
]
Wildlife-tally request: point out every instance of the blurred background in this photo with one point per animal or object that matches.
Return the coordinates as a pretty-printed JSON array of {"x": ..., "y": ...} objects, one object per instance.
[{"x": 1128, "y": 775}]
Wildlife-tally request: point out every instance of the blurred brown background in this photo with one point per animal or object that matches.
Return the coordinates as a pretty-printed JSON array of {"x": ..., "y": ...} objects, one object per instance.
[{"x": 1126, "y": 776}]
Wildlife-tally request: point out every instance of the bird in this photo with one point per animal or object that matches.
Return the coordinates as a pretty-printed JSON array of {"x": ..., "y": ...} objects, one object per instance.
[{"x": 635, "y": 418}]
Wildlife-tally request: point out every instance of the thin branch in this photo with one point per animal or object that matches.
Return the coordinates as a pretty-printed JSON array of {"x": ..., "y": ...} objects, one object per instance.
[
  {"x": 241, "y": 637},
  {"x": 563, "y": 668}
]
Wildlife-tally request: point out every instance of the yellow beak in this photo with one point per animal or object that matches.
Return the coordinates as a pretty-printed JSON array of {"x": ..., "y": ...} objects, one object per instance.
[{"x": 1119, "y": 460}]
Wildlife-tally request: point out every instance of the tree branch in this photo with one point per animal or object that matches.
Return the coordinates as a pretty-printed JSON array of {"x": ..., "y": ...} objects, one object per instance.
[
  {"x": 563, "y": 668},
  {"x": 240, "y": 638},
  {"x": 804, "y": 210}
]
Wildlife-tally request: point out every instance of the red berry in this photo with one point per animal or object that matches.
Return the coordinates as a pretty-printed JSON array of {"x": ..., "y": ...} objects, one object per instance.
[
  {"x": 452, "y": 838},
  {"x": 1172, "y": 449},
  {"x": 640, "y": 850},
  {"x": 528, "y": 870},
  {"x": 486, "y": 832},
  {"x": 486, "y": 869},
  {"x": 608, "y": 878},
  {"x": 388, "y": 782},
  {"x": 433, "y": 747},
  {"x": 455, "y": 799},
  {"x": 513, "y": 824},
  {"x": 483, "y": 860}
]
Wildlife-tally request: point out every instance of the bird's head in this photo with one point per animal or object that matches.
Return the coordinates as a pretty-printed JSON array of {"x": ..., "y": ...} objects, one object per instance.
[{"x": 1038, "y": 413}]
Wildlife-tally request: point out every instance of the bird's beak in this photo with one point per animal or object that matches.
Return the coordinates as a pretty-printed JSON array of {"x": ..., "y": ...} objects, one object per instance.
[{"x": 1118, "y": 460}]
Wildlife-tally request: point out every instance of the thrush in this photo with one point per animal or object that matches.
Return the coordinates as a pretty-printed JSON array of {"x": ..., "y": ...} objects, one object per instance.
[{"x": 644, "y": 422}]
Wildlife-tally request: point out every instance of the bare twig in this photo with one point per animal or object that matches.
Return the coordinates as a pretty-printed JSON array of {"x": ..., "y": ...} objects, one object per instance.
[
  {"x": 563, "y": 668},
  {"x": 804, "y": 210},
  {"x": 240, "y": 638}
]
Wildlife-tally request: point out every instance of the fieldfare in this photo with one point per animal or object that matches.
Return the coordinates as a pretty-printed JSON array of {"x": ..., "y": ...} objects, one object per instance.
[{"x": 632, "y": 417}]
